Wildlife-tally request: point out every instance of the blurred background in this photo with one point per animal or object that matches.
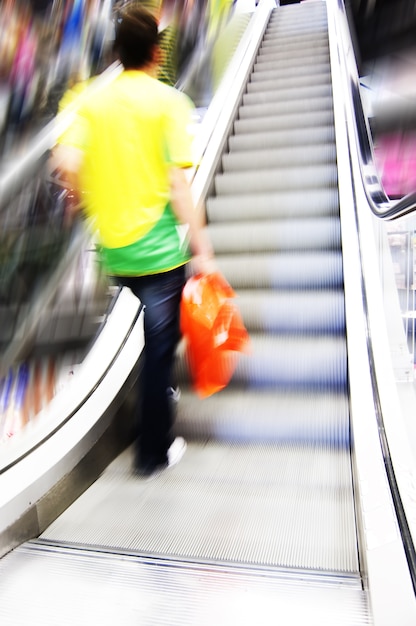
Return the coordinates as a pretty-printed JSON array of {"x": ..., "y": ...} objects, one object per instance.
[{"x": 48, "y": 45}]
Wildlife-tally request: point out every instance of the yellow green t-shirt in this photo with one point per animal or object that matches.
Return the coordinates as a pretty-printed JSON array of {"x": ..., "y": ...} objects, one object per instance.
[{"x": 131, "y": 132}]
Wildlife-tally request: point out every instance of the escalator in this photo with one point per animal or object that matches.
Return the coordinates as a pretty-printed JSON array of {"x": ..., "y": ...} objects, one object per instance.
[{"x": 258, "y": 522}]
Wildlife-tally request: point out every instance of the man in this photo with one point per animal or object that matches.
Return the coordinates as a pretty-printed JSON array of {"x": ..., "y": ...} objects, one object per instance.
[{"x": 127, "y": 152}]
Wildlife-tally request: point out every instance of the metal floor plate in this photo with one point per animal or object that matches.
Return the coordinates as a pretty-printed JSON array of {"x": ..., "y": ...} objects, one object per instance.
[
  {"x": 67, "y": 587},
  {"x": 284, "y": 506}
]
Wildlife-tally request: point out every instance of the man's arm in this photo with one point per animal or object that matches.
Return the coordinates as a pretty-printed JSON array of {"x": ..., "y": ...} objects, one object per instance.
[
  {"x": 187, "y": 213},
  {"x": 67, "y": 160}
]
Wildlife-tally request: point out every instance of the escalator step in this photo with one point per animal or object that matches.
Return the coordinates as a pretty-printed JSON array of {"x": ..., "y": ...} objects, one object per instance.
[
  {"x": 279, "y": 416},
  {"x": 306, "y": 202},
  {"x": 280, "y": 73},
  {"x": 292, "y": 52},
  {"x": 279, "y": 157},
  {"x": 307, "y": 270},
  {"x": 294, "y": 94},
  {"x": 279, "y": 37},
  {"x": 311, "y": 21},
  {"x": 276, "y": 235},
  {"x": 290, "y": 311},
  {"x": 285, "y": 107},
  {"x": 273, "y": 84},
  {"x": 281, "y": 138},
  {"x": 291, "y": 55},
  {"x": 312, "y": 176},
  {"x": 286, "y": 61},
  {"x": 284, "y": 122}
]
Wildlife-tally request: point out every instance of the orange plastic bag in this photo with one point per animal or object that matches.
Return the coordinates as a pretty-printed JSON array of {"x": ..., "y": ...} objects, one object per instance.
[{"x": 214, "y": 332}]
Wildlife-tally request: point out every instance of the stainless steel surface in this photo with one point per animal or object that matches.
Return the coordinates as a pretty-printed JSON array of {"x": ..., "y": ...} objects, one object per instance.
[{"x": 67, "y": 587}]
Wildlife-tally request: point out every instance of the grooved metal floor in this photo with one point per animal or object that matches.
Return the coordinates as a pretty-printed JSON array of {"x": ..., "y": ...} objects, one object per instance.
[
  {"x": 63, "y": 588},
  {"x": 254, "y": 504}
]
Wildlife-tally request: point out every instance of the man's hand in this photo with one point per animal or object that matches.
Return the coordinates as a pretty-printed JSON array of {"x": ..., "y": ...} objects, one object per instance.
[{"x": 203, "y": 264}]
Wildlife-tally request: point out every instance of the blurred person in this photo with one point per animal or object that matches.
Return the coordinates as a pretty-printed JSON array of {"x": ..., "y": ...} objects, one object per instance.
[
  {"x": 127, "y": 152},
  {"x": 72, "y": 48},
  {"x": 22, "y": 72},
  {"x": 100, "y": 35}
]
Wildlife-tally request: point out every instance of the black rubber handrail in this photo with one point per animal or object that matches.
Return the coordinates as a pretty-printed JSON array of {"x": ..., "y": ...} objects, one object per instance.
[{"x": 379, "y": 202}]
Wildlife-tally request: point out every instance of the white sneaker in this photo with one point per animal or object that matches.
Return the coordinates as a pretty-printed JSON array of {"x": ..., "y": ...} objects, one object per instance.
[
  {"x": 176, "y": 451},
  {"x": 174, "y": 393}
]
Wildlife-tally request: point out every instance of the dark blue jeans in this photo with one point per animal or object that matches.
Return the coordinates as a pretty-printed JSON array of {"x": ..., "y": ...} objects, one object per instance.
[{"x": 161, "y": 296}]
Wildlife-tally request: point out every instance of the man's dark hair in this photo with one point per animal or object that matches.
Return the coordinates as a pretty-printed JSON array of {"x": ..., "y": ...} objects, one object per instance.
[{"x": 136, "y": 35}]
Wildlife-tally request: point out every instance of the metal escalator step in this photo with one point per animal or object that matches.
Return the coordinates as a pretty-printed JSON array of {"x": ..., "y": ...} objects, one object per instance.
[
  {"x": 295, "y": 9},
  {"x": 279, "y": 157},
  {"x": 300, "y": 8},
  {"x": 293, "y": 362},
  {"x": 299, "y": 11},
  {"x": 280, "y": 38},
  {"x": 280, "y": 73},
  {"x": 274, "y": 51},
  {"x": 283, "y": 62},
  {"x": 279, "y": 416},
  {"x": 294, "y": 19},
  {"x": 276, "y": 235},
  {"x": 287, "y": 362},
  {"x": 294, "y": 203},
  {"x": 292, "y": 52},
  {"x": 259, "y": 504},
  {"x": 284, "y": 122},
  {"x": 297, "y": 15},
  {"x": 285, "y": 107},
  {"x": 282, "y": 138},
  {"x": 293, "y": 94},
  {"x": 289, "y": 311},
  {"x": 298, "y": 19},
  {"x": 287, "y": 34},
  {"x": 276, "y": 179},
  {"x": 306, "y": 270},
  {"x": 279, "y": 41},
  {"x": 290, "y": 81},
  {"x": 304, "y": 24}
]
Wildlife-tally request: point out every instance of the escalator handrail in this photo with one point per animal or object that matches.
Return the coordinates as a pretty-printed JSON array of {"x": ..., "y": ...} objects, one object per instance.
[{"x": 380, "y": 204}]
